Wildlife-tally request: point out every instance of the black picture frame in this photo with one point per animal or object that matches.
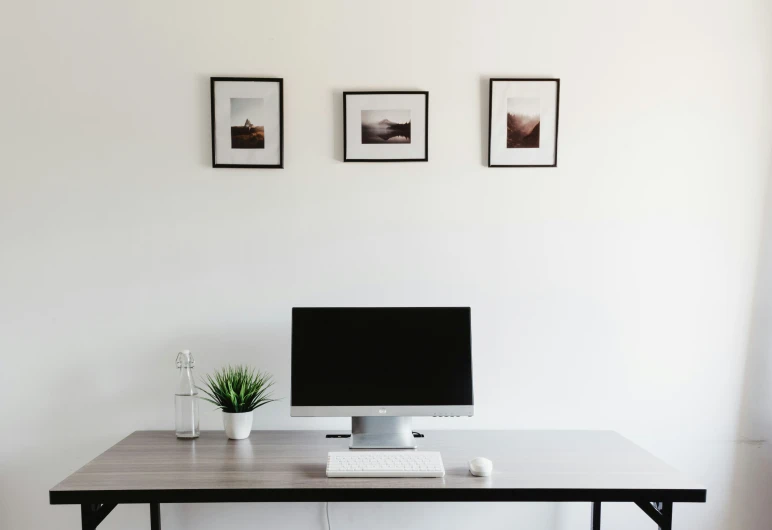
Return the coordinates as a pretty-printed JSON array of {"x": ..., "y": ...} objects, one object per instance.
[
  {"x": 280, "y": 81},
  {"x": 557, "y": 117},
  {"x": 387, "y": 92}
]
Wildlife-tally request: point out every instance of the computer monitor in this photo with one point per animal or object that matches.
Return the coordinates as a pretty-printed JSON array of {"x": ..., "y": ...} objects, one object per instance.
[{"x": 381, "y": 366}]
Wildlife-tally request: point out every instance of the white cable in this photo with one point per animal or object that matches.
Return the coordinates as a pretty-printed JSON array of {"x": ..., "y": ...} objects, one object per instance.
[{"x": 327, "y": 511}]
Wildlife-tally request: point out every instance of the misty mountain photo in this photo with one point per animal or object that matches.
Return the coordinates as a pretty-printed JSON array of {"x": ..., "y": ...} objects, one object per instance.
[
  {"x": 385, "y": 126},
  {"x": 523, "y": 123}
]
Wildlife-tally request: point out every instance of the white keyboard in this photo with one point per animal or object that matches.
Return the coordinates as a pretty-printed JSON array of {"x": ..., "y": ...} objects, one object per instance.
[{"x": 385, "y": 464}]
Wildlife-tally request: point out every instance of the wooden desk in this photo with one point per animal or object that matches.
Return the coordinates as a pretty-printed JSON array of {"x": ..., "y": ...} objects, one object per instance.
[{"x": 154, "y": 467}]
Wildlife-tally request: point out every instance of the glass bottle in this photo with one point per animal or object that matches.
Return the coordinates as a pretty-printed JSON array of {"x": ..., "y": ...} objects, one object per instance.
[{"x": 186, "y": 398}]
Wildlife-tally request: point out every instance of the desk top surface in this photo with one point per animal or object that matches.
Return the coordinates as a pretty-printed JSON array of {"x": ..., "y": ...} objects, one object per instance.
[{"x": 275, "y": 466}]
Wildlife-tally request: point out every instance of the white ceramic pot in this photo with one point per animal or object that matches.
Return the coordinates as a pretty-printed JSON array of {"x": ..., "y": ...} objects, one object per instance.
[{"x": 237, "y": 425}]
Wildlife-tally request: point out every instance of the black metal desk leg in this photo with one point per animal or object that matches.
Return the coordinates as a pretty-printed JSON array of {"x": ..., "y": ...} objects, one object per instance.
[
  {"x": 659, "y": 512},
  {"x": 93, "y": 514},
  {"x": 666, "y": 509},
  {"x": 595, "y": 516},
  {"x": 155, "y": 516}
]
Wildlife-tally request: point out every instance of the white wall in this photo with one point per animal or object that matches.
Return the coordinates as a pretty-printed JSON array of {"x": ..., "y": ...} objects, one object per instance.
[{"x": 615, "y": 291}]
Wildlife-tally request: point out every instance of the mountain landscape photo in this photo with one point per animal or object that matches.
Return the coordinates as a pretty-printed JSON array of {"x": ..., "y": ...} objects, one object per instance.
[
  {"x": 523, "y": 123},
  {"x": 245, "y": 112},
  {"x": 386, "y": 126}
]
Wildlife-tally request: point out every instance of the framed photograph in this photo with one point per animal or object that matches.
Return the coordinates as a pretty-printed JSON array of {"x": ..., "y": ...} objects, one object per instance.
[
  {"x": 385, "y": 126},
  {"x": 523, "y": 123},
  {"x": 247, "y": 122}
]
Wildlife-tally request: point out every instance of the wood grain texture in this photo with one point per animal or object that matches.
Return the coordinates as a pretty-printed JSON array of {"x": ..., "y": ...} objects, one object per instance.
[{"x": 271, "y": 466}]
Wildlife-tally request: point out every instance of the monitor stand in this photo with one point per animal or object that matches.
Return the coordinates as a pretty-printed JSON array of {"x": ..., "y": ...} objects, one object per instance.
[{"x": 382, "y": 432}]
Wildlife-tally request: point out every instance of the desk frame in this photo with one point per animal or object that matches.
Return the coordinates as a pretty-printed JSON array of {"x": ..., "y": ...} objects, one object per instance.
[
  {"x": 93, "y": 514},
  {"x": 99, "y": 497}
]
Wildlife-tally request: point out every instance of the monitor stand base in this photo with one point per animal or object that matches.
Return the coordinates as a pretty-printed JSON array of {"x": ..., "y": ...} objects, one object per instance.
[{"x": 382, "y": 432}]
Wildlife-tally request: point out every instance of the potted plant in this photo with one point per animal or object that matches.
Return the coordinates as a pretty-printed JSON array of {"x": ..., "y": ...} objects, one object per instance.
[{"x": 238, "y": 391}]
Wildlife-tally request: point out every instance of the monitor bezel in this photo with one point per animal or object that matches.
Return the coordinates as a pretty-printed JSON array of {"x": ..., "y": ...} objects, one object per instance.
[{"x": 386, "y": 410}]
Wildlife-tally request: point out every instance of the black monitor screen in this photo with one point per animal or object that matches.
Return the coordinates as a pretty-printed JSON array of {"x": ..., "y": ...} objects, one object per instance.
[{"x": 381, "y": 356}]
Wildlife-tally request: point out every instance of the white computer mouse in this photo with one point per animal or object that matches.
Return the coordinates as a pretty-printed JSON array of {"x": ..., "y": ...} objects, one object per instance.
[{"x": 480, "y": 467}]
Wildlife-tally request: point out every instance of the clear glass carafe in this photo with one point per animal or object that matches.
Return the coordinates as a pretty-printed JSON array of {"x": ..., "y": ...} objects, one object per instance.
[{"x": 186, "y": 398}]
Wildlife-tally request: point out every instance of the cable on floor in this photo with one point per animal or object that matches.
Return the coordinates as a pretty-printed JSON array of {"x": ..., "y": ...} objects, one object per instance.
[{"x": 327, "y": 511}]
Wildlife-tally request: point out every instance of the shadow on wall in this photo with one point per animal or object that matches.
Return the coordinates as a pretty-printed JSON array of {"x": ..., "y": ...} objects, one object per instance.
[
  {"x": 337, "y": 120},
  {"x": 749, "y": 507},
  {"x": 485, "y": 99},
  {"x": 204, "y": 115}
]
